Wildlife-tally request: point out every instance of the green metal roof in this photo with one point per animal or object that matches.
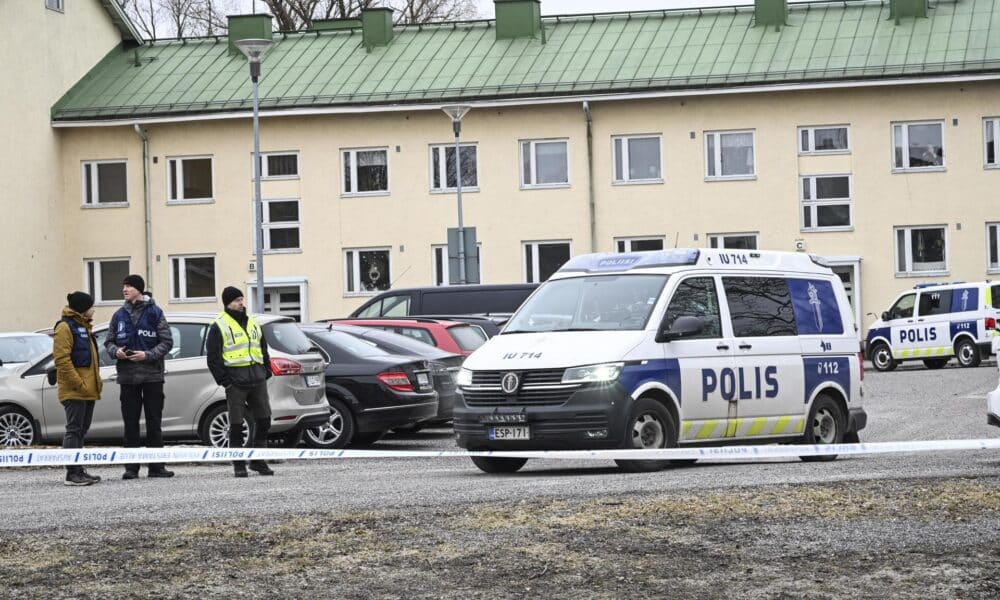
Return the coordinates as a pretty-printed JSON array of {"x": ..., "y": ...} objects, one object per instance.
[{"x": 583, "y": 54}]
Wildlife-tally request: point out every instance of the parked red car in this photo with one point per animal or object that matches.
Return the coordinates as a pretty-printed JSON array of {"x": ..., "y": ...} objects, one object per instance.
[{"x": 451, "y": 336}]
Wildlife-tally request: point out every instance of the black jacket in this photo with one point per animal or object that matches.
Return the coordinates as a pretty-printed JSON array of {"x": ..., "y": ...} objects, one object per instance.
[
  {"x": 150, "y": 370},
  {"x": 242, "y": 377}
]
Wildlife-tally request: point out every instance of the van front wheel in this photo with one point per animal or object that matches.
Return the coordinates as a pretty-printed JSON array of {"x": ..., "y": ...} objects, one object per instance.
[
  {"x": 491, "y": 464},
  {"x": 649, "y": 426},
  {"x": 967, "y": 353},
  {"x": 882, "y": 358},
  {"x": 826, "y": 425}
]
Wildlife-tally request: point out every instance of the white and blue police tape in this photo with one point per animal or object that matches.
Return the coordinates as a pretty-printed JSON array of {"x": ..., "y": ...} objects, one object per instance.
[{"x": 117, "y": 456}]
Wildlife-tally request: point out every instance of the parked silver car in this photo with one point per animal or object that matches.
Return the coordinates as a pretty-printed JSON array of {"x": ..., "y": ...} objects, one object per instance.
[{"x": 195, "y": 407}]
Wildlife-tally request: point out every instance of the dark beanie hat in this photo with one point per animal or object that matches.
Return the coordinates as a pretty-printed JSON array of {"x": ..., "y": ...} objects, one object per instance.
[
  {"x": 136, "y": 282},
  {"x": 229, "y": 294},
  {"x": 79, "y": 301}
]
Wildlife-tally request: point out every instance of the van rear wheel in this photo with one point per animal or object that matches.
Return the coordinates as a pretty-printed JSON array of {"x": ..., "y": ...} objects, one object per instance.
[
  {"x": 826, "y": 425},
  {"x": 882, "y": 358},
  {"x": 967, "y": 353},
  {"x": 649, "y": 426},
  {"x": 492, "y": 464}
]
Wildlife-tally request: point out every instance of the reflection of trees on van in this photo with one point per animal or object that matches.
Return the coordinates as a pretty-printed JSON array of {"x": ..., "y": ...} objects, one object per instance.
[
  {"x": 759, "y": 306},
  {"x": 696, "y": 297}
]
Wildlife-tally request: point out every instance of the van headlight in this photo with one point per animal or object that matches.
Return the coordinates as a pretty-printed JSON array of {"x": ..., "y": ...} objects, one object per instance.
[
  {"x": 464, "y": 377},
  {"x": 593, "y": 373}
]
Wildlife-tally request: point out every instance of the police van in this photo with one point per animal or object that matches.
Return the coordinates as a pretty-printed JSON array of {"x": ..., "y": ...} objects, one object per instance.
[
  {"x": 934, "y": 322},
  {"x": 667, "y": 348}
]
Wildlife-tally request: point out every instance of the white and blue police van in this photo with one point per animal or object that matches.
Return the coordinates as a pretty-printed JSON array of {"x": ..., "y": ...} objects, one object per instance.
[
  {"x": 935, "y": 322},
  {"x": 664, "y": 349}
]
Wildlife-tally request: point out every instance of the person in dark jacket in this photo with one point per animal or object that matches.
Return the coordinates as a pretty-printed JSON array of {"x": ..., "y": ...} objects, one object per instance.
[
  {"x": 139, "y": 339},
  {"x": 78, "y": 376},
  {"x": 239, "y": 362}
]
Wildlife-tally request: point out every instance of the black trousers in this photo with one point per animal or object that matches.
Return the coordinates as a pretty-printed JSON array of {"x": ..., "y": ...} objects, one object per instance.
[
  {"x": 79, "y": 414},
  {"x": 254, "y": 406},
  {"x": 137, "y": 399}
]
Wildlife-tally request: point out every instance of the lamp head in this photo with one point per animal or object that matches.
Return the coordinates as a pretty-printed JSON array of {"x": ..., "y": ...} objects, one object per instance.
[
  {"x": 253, "y": 49},
  {"x": 456, "y": 111}
]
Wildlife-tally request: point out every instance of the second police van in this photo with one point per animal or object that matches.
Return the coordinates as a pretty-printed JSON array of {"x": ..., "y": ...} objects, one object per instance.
[
  {"x": 667, "y": 348},
  {"x": 934, "y": 323}
]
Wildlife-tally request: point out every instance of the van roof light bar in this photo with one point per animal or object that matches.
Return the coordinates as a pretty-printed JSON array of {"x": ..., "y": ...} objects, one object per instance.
[{"x": 626, "y": 261}]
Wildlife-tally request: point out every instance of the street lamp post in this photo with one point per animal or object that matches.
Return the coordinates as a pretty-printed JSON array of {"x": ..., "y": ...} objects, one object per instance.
[
  {"x": 456, "y": 113},
  {"x": 254, "y": 50}
]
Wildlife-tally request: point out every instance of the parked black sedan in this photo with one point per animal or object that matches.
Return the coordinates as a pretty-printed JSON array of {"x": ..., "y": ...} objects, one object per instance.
[{"x": 370, "y": 390}]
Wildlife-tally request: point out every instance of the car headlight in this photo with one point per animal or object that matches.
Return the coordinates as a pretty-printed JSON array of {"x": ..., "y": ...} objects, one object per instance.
[
  {"x": 593, "y": 373},
  {"x": 464, "y": 377}
]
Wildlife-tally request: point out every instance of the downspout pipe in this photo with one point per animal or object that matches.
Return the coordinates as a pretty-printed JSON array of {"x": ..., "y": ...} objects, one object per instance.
[
  {"x": 590, "y": 176},
  {"x": 145, "y": 204}
]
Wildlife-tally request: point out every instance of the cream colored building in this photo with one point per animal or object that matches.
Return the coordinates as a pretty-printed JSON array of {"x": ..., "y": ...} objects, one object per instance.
[{"x": 891, "y": 176}]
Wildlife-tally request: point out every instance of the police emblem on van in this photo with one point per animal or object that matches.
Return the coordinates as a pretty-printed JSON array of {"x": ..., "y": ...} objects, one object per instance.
[{"x": 509, "y": 383}]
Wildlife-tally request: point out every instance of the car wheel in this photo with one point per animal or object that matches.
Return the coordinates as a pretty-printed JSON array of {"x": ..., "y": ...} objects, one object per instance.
[
  {"x": 935, "y": 363},
  {"x": 826, "y": 425},
  {"x": 367, "y": 438},
  {"x": 967, "y": 353},
  {"x": 214, "y": 429},
  {"x": 491, "y": 464},
  {"x": 882, "y": 358},
  {"x": 649, "y": 426},
  {"x": 17, "y": 428},
  {"x": 336, "y": 432}
]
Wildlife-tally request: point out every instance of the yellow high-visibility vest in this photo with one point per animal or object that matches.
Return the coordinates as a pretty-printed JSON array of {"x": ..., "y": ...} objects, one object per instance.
[{"x": 239, "y": 350}]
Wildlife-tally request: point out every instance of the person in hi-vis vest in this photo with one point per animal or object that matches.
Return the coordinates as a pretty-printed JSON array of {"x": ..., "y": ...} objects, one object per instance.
[{"x": 238, "y": 360}]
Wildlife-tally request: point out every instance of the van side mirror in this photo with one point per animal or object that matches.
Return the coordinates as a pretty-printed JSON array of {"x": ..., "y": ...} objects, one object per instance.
[
  {"x": 885, "y": 315},
  {"x": 683, "y": 327},
  {"x": 51, "y": 375}
]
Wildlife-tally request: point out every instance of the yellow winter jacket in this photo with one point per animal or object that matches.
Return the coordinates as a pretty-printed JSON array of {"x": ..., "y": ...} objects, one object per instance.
[{"x": 75, "y": 383}]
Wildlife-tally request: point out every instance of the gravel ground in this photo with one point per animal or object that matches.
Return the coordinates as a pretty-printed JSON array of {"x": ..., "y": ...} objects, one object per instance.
[{"x": 904, "y": 526}]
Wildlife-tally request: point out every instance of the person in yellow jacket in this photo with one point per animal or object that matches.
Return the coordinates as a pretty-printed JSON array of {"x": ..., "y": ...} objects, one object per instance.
[{"x": 78, "y": 376}]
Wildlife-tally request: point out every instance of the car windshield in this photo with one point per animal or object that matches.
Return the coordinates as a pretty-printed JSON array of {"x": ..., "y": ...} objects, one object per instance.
[
  {"x": 24, "y": 348},
  {"x": 597, "y": 303},
  {"x": 285, "y": 336},
  {"x": 351, "y": 344}
]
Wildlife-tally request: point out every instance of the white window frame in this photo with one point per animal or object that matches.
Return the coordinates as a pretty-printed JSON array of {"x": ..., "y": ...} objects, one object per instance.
[
  {"x": 812, "y": 203},
  {"x": 906, "y": 168},
  {"x": 443, "y": 167},
  {"x": 901, "y": 272},
  {"x": 628, "y": 241},
  {"x": 183, "y": 276},
  {"x": 266, "y": 225},
  {"x": 356, "y": 262},
  {"x": 720, "y": 238},
  {"x": 56, "y": 5},
  {"x": 625, "y": 159},
  {"x": 84, "y": 165},
  {"x": 994, "y": 124},
  {"x": 264, "y": 176},
  {"x": 534, "y": 164},
  {"x": 717, "y": 156},
  {"x": 278, "y": 282},
  {"x": 445, "y": 274},
  {"x": 534, "y": 256},
  {"x": 994, "y": 235},
  {"x": 811, "y": 130},
  {"x": 97, "y": 282},
  {"x": 354, "y": 172},
  {"x": 180, "y": 177}
]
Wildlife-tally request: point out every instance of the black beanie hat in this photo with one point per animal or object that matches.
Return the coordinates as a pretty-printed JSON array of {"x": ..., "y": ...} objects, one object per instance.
[
  {"x": 80, "y": 301},
  {"x": 229, "y": 294},
  {"x": 136, "y": 282}
]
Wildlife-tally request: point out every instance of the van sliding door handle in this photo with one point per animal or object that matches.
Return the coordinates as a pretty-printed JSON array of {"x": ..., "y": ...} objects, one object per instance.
[
  {"x": 722, "y": 347},
  {"x": 745, "y": 346}
]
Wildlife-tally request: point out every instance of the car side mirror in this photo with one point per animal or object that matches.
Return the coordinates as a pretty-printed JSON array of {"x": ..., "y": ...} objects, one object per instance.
[
  {"x": 51, "y": 375},
  {"x": 683, "y": 327},
  {"x": 885, "y": 315}
]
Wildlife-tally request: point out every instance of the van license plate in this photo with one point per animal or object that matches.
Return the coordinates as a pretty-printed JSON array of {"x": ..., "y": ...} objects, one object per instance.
[
  {"x": 510, "y": 433},
  {"x": 312, "y": 380},
  {"x": 423, "y": 380}
]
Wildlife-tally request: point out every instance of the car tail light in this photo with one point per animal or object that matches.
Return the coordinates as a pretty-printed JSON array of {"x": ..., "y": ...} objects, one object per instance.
[
  {"x": 283, "y": 366},
  {"x": 396, "y": 380},
  {"x": 861, "y": 363},
  {"x": 991, "y": 323}
]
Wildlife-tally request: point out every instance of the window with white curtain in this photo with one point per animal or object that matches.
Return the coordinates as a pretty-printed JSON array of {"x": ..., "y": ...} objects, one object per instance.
[
  {"x": 918, "y": 146},
  {"x": 921, "y": 250},
  {"x": 544, "y": 163},
  {"x": 729, "y": 155},
  {"x": 366, "y": 171}
]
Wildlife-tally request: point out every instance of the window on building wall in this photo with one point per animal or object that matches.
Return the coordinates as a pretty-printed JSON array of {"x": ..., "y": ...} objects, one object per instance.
[
  {"x": 442, "y": 273},
  {"x": 638, "y": 244},
  {"x": 444, "y": 176},
  {"x": 366, "y": 171},
  {"x": 637, "y": 159},
  {"x": 104, "y": 278},
  {"x": 54, "y": 5},
  {"x": 544, "y": 163},
  {"x": 991, "y": 142},
  {"x": 281, "y": 224},
  {"x": 189, "y": 179},
  {"x": 733, "y": 241},
  {"x": 993, "y": 247},
  {"x": 921, "y": 250},
  {"x": 729, "y": 154},
  {"x": 824, "y": 140},
  {"x": 105, "y": 182},
  {"x": 918, "y": 145},
  {"x": 366, "y": 270},
  {"x": 192, "y": 277},
  {"x": 279, "y": 165},
  {"x": 542, "y": 259},
  {"x": 826, "y": 202}
]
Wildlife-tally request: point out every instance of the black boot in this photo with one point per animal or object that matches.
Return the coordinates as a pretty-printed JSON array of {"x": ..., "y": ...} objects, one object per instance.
[
  {"x": 159, "y": 471},
  {"x": 240, "y": 468},
  {"x": 261, "y": 467}
]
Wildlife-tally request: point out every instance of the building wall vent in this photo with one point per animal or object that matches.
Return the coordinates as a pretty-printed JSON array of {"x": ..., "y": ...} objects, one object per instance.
[
  {"x": 376, "y": 27},
  {"x": 243, "y": 27},
  {"x": 770, "y": 12},
  {"x": 519, "y": 19}
]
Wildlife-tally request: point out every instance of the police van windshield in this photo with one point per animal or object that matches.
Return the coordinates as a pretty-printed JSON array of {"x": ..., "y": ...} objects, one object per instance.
[{"x": 597, "y": 303}]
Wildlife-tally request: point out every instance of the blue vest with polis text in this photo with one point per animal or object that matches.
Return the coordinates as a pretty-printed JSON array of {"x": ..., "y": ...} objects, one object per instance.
[
  {"x": 80, "y": 354},
  {"x": 143, "y": 335}
]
